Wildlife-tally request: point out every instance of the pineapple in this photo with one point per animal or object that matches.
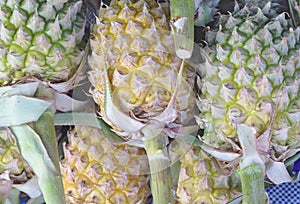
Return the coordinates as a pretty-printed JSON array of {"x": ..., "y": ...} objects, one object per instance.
[
  {"x": 131, "y": 43},
  {"x": 201, "y": 180},
  {"x": 95, "y": 171},
  {"x": 11, "y": 161},
  {"x": 250, "y": 81},
  {"x": 40, "y": 39},
  {"x": 138, "y": 83}
]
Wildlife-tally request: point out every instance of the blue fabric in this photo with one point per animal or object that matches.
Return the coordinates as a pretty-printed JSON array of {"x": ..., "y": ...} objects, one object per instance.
[
  {"x": 285, "y": 193},
  {"x": 296, "y": 168}
]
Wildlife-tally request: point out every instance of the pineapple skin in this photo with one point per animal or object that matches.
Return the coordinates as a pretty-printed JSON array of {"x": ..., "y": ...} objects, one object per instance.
[
  {"x": 251, "y": 76},
  {"x": 40, "y": 40},
  {"x": 201, "y": 179},
  {"x": 133, "y": 40},
  {"x": 96, "y": 171},
  {"x": 11, "y": 160}
]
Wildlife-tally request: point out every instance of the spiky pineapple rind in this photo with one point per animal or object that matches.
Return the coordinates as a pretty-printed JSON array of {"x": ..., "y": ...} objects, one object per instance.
[{"x": 40, "y": 40}]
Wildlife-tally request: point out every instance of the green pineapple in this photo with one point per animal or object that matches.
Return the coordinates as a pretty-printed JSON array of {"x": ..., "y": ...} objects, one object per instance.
[
  {"x": 250, "y": 81},
  {"x": 40, "y": 39}
]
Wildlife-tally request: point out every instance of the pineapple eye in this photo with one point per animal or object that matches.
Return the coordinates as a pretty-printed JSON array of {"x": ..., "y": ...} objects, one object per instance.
[{"x": 235, "y": 115}]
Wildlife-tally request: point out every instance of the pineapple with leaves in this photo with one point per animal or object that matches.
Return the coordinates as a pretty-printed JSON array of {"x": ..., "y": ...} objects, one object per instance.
[
  {"x": 134, "y": 65},
  {"x": 249, "y": 94},
  {"x": 142, "y": 91},
  {"x": 41, "y": 40}
]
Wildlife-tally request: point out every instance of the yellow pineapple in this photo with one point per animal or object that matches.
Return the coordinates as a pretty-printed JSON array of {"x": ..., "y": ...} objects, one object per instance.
[{"x": 96, "y": 171}]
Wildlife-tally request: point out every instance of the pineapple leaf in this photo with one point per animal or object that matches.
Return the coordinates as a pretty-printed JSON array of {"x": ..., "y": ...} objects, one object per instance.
[
  {"x": 160, "y": 166},
  {"x": 294, "y": 12},
  {"x": 27, "y": 89},
  {"x": 31, "y": 187},
  {"x": 65, "y": 103},
  {"x": 204, "y": 11},
  {"x": 236, "y": 200},
  {"x": 277, "y": 172},
  {"x": 77, "y": 118},
  {"x": 5, "y": 188},
  {"x": 44, "y": 127},
  {"x": 35, "y": 153},
  {"x": 13, "y": 197},
  {"x": 224, "y": 156},
  {"x": 247, "y": 139},
  {"x": 182, "y": 21},
  {"x": 91, "y": 119},
  {"x": 17, "y": 109},
  {"x": 289, "y": 162},
  {"x": 55, "y": 2}
]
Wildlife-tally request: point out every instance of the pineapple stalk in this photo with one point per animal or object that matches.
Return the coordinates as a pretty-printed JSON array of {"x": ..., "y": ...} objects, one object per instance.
[
  {"x": 159, "y": 162},
  {"x": 252, "y": 178},
  {"x": 182, "y": 20},
  {"x": 252, "y": 168}
]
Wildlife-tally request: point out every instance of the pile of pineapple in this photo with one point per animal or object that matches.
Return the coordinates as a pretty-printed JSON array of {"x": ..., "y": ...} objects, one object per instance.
[{"x": 165, "y": 125}]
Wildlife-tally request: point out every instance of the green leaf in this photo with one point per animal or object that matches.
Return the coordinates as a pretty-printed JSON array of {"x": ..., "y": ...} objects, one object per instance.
[
  {"x": 5, "y": 188},
  {"x": 44, "y": 127},
  {"x": 27, "y": 89},
  {"x": 35, "y": 153},
  {"x": 290, "y": 162},
  {"x": 182, "y": 21},
  {"x": 56, "y": 2},
  {"x": 237, "y": 200},
  {"x": 204, "y": 11},
  {"x": 160, "y": 168},
  {"x": 17, "y": 110},
  {"x": 218, "y": 154},
  {"x": 294, "y": 12},
  {"x": 91, "y": 119},
  {"x": 38, "y": 200},
  {"x": 252, "y": 178},
  {"x": 30, "y": 187},
  {"x": 13, "y": 197},
  {"x": 65, "y": 103},
  {"x": 77, "y": 118},
  {"x": 175, "y": 170}
]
